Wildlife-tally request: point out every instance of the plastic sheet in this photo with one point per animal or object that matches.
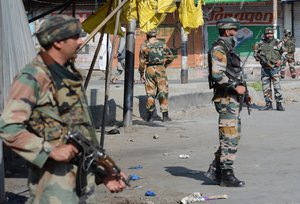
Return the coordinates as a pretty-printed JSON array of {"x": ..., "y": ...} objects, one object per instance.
[
  {"x": 16, "y": 44},
  {"x": 190, "y": 15}
]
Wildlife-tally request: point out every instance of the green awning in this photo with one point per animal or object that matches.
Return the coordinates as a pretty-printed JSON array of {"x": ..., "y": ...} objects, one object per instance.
[{"x": 232, "y": 1}]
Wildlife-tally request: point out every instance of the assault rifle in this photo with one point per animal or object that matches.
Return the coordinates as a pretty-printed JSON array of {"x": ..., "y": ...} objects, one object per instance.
[
  {"x": 245, "y": 98},
  {"x": 263, "y": 61},
  {"x": 91, "y": 157}
]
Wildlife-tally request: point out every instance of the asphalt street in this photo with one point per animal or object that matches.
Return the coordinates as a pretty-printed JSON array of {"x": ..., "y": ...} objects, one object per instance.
[{"x": 267, "y": 158}]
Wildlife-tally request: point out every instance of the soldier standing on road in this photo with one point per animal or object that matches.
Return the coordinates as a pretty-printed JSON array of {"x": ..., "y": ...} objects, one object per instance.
[
  {"x": 154, "y": 59},
  {"x": 225, "y": 70},
  {"x": 45, "y": 102},
  {"x": 289, "y": 43},
  {"x": 271, "y": 53}
]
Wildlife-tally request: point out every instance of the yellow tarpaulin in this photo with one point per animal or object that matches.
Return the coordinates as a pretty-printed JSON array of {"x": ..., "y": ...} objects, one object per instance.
[
  {"x": 94, "y": 20},
  {"x": 148, "y": 17},
  {"x": 130, "y": 11},
  {"x": 166, "y": 6},
  {"x": 190, "y": 15}
]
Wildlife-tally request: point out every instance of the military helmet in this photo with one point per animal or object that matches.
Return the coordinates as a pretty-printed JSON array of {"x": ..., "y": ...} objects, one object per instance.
[
  {"x": 152, "y": 33},
  {"x": 228, "y": 23},
  {"x": 269, "y": 30},
  {"x": 287, "y": 31},
  {"x": 56, "y": 28}
]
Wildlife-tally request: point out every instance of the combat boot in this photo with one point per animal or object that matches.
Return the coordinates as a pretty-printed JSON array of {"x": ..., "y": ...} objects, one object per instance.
[
  {"x": 293, "y": 74},
  {"x": 229, "y": 180},
  {"x": 166, "y": 117},
  {"x": 214, "y": 172},
  {"x": 279, "y": 106},
  {"x": 267, "y": 107},
  {"x": 150, "y": 116}
]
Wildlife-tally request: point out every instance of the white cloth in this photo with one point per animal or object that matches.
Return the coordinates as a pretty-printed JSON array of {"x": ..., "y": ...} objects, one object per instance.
[{"x": 103, "y": 52}]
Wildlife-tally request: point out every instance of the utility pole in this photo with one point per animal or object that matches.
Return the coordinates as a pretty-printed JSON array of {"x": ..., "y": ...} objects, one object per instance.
[
  {"x": 129, "y": 73},
  {"x": 275, "y": 18},
  {"x": 184, "y": 56}
]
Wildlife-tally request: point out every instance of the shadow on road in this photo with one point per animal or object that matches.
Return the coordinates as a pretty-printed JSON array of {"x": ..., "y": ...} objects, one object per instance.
[{"x": 189, "y": 173}]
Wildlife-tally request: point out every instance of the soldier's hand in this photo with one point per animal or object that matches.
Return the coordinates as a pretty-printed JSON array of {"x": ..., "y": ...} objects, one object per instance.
[
  {"x": 114, "y": 184},
  {"x": 277, "y": 63},
  {"x": 240, "y": 90},
  {"x": 63, "y": 153}
]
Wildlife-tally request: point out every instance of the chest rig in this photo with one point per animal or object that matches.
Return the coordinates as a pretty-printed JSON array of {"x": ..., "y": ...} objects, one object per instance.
[
  {"x": 66, "y": 109},
  {"x": 233, "y": 68}
]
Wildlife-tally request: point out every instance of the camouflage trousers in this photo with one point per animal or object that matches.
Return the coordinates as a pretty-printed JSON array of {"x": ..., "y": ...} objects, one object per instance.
[
  {"x": 229, "y": 130},
  {"x": 55, "y": 184},
  {"x": 156, "y": 85},
  {"x": 291, "y": 62},
  {"x": 271, "y": 77}
]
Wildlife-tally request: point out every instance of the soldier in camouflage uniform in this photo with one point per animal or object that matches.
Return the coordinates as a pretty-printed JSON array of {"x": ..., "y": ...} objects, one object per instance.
[
  {"x": 271, "y": 53},
  {"x": 45, "y": 102},
  {"x": 289, "y": 43},
  {"x": 154, "y": 58},
  {"x": 225, "y": 70}
]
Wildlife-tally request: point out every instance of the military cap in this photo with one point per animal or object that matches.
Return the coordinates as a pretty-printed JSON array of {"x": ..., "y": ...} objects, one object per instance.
[
  {"x": 269, "y": 30},
  {"x": 56, "y": 28},
  {"x": 152, "y": 33},
  {"x": 228, "y": 23}
]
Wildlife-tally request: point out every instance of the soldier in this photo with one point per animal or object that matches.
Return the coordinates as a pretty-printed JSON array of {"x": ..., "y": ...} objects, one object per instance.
[
  {"x": 289, "y": 43},
  {"x": 45, "y": 102},
  {"x": 154, "y": 58},
  {"x": 271, "y": 53},
  {"x": 225, "y": 70}
]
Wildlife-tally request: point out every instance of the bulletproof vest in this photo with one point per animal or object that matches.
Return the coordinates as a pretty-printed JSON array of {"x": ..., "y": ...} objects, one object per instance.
[
  {"x": 271, "y": 51},
  {"x": 68, "y": 108},
  {"x": 155, "y": 55},
  {"x": 233, "y": 68},
  {"x": 289, "y": 43}
]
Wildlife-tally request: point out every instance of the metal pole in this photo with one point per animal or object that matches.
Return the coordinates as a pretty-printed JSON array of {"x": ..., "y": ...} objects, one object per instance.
[
  {"x": 275, "y": 18},
  {"x": 2, "y": 175},
  {"x": 129, "y": 73},
  {"x": 107, "y": 76},
  {"x": 184, "y": 56}
]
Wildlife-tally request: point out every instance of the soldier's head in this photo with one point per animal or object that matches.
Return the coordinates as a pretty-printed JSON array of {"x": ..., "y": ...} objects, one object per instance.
[
  {"x": 269, "y": 33},
  {"x": 151, "y": 33},
  {"x": 287, "y": 32},
  {"x": 58, "y": 28},
  {"x": 228, "y": 26}
]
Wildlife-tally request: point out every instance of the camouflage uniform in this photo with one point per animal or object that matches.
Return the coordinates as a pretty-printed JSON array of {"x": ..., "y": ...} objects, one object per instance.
[
  {"x": 45, "y": 102},
  {"x": 222, "y": 61},
  {"x": 289, "y": 43},
  {"x": 272, "y": 50},
  {"x": 154, "y": 70}
]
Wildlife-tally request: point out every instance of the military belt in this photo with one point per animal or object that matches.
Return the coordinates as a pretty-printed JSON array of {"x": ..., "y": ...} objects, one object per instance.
[{"x": 148, "y": 65}]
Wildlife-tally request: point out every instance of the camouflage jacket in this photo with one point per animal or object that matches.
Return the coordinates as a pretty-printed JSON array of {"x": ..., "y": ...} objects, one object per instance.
[
  {"x": 272, "y": 51},
  {"x": 219, "y": 65},
  {"x": 39, "y": 113},
  {"x": 289, "y": 43},
  {"x": 161, "y": 50}
]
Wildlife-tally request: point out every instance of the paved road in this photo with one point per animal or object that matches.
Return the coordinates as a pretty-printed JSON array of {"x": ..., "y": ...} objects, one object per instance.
[{"x": 267, "y": 159}]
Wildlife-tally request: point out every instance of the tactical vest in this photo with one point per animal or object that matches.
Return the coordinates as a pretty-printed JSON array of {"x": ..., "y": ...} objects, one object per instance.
[
  {"x": 271, "y": 51},
  {"x": 155, "y": 55},
  {"x": 233, "y": 68},
  {"x": 68, "y": 108},
  {"x": 289, "y": 44}
]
